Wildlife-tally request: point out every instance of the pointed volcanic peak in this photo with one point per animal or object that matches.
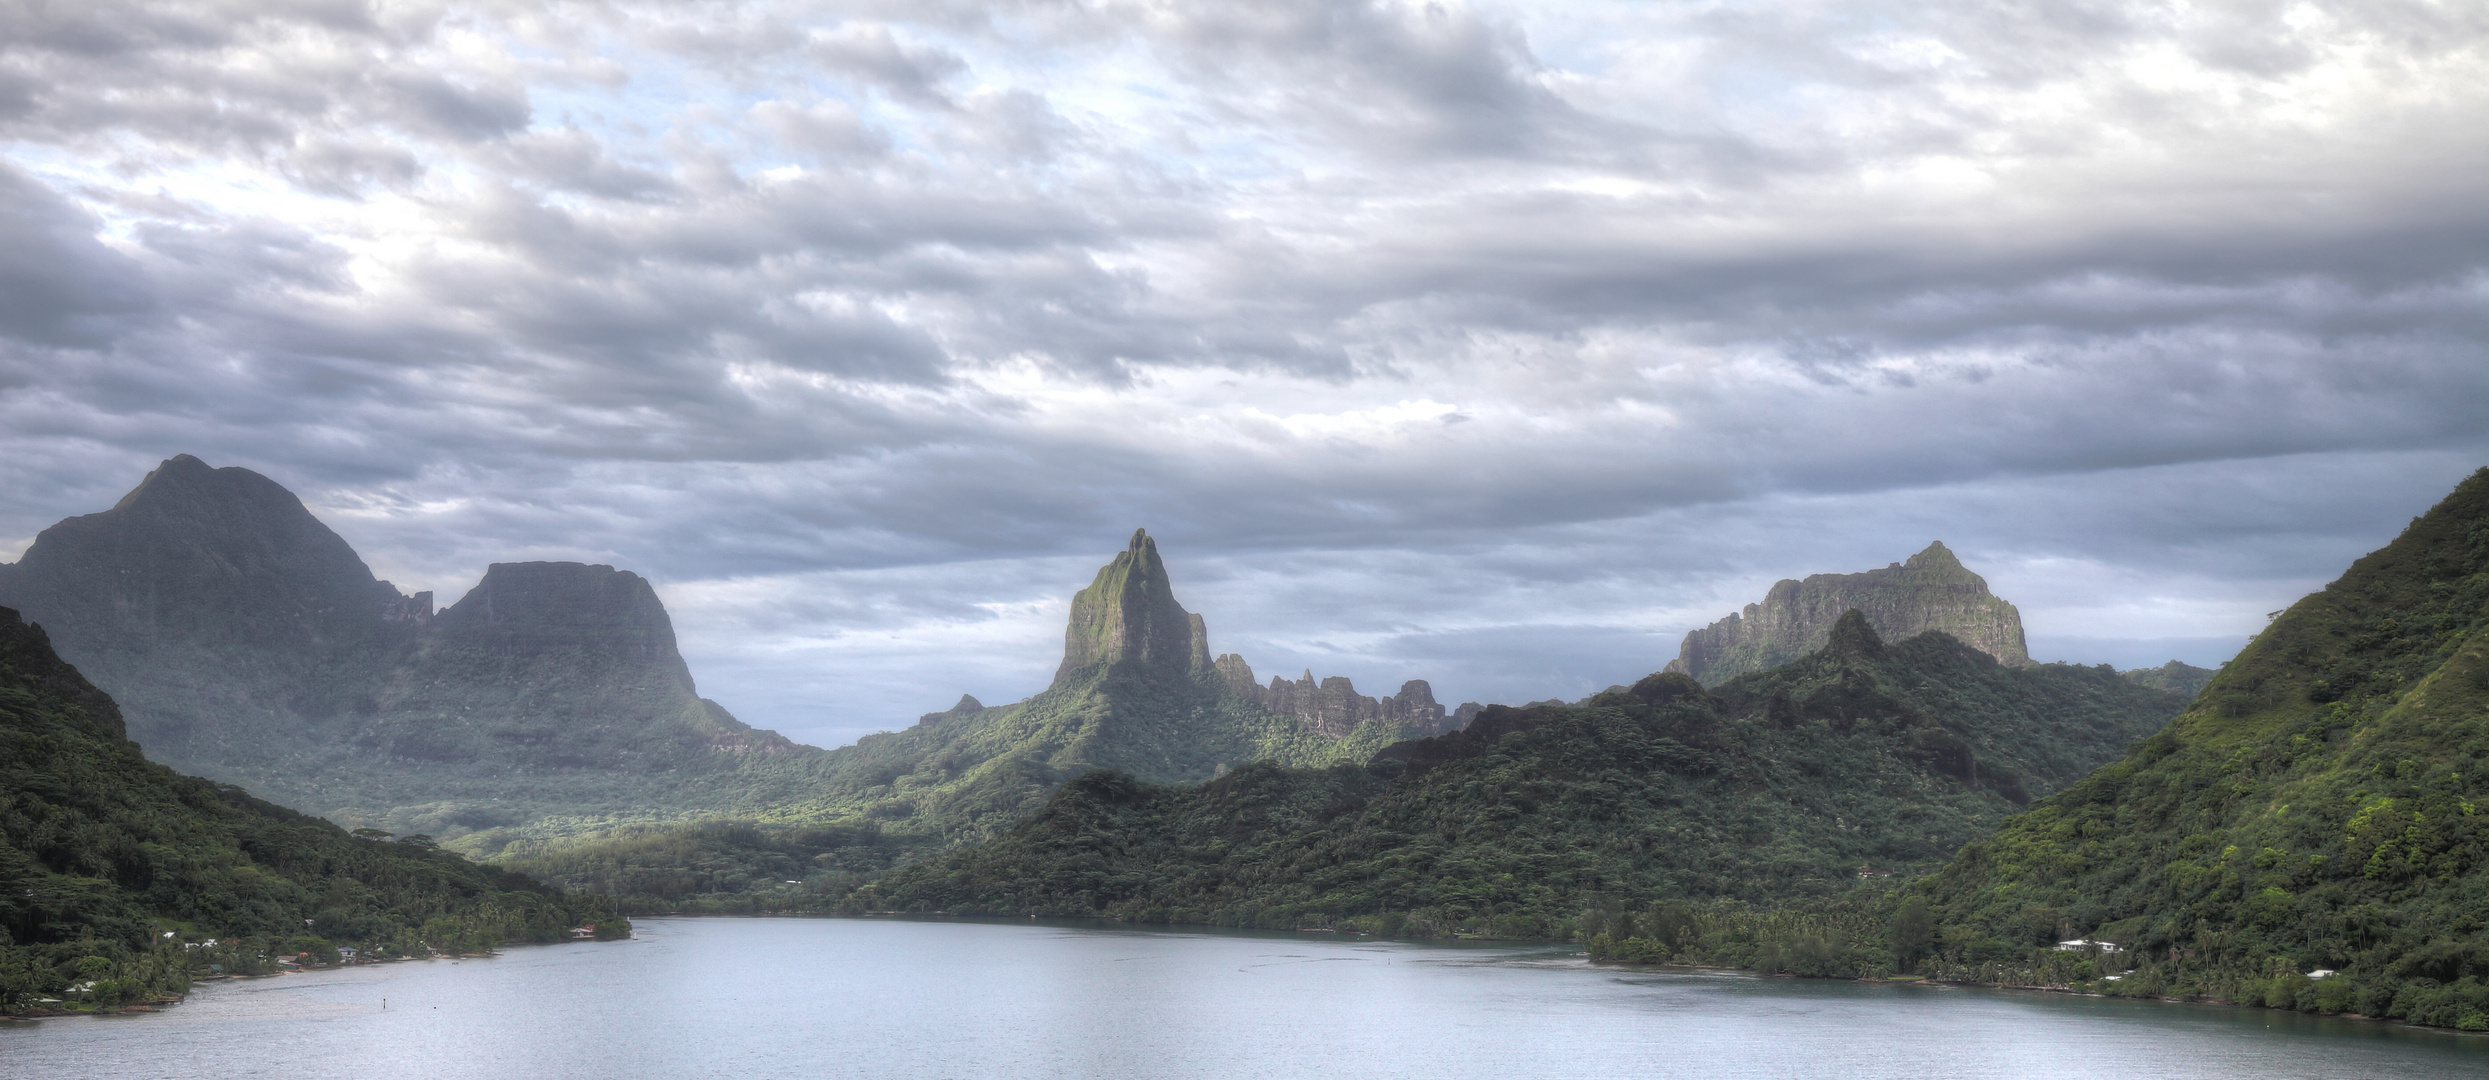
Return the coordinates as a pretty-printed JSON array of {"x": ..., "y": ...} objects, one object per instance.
[
  {"x": 1128, "y": 623},
  {"x": 1932, "y": 591},
  {"x": 1866, "y": 756},
  {"x": 2314, "y": 810}
]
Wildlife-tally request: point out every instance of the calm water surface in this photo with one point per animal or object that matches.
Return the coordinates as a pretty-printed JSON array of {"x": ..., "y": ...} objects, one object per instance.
[{"x": 768, "y": 998}]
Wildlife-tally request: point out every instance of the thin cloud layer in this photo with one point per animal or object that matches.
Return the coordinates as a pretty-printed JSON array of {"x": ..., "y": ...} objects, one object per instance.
[{"x": 1492, "y": 344}]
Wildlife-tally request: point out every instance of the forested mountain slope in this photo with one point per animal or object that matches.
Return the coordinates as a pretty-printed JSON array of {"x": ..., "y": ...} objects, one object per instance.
[
  {"x": 102, "y": 852},
  {"x": 2317, "y": 809},
  {"x": 1782, "y": 784},
  {"x": 1137, "y": 692}
]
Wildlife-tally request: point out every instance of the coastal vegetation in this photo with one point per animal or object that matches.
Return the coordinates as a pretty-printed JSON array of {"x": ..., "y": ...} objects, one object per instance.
[
  {"x": 2308, "y": 835},
  {"x": 121, "y": 880}
]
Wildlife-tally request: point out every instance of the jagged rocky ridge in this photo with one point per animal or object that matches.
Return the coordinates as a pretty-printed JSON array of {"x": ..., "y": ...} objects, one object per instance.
[
  {"x": 1135, "y": 695},
  {"x": 1128, "y": 617},
  {"x": 1333, "y": 706},
  {"x": 1932, "y": 591},
  {"x": 1777, "y": 785},
  {"x": 1136, "y": 691},
  {"x": 249, "y": 643}
]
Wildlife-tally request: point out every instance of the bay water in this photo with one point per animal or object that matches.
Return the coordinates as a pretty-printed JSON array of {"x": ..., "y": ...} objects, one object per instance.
[{"x": 898, "y": 998}]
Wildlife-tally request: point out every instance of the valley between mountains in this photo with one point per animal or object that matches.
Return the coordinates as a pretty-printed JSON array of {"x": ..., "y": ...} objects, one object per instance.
[{"x": 1860, "y": 775}]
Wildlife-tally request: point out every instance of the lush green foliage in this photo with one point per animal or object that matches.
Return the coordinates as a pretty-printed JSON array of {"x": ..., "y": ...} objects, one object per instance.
[
  {"x": 105, "y": 853},
  {"x": 2317, "y": 808},
  {"x": 1848, "y": 936},
  {"x": 897, "y": 796},
  {"x": 718, "y": 867},
  {"x": 1778, "y": 785},
  {"x": 2182, "y": 679}
]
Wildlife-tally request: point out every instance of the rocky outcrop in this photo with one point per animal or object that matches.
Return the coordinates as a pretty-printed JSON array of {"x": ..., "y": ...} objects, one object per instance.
[
  {"x": 534, "y": 609},
  {"x": 1333, "y": 707},
  {"x": 968, "y": 706},
  {"x": 1932, "y": 591},
  {"x": 1128, "y": 623}
]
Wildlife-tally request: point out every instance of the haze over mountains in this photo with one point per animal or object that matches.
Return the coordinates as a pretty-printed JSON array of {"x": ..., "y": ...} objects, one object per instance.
[{"x": 247, "y": 642}]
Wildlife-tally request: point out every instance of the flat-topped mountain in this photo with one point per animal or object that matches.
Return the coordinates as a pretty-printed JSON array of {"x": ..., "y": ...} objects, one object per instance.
[
  {"x": 1932, "y": 591},
  {"x": 248, "y": 643},
  {"x": 1860, "y": 757}
]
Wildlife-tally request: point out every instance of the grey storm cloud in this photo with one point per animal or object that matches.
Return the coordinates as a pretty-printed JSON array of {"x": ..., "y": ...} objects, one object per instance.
[{"x": 1493, "y": 344}]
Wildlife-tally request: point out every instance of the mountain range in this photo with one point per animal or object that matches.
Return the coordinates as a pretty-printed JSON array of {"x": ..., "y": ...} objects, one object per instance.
[
  {"x": 123, "y": 877},
  {"x": 1861, "y": 758},
  {"x": 247, "y": 642}
]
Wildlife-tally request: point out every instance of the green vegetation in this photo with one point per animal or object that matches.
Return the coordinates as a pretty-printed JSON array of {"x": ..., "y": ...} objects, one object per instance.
[
  {"x": 715, "y": 867},
  {"x": 116, "y": 873},
  {"x": 2316, "y": 810},
  {"x": 962, "y": 779},
  {"x": 548, "y": 715},
  {"x": 2184, "y": 680},
  {"x": 1136, "y": 693},
  {"x": 1778, "y": 785}
]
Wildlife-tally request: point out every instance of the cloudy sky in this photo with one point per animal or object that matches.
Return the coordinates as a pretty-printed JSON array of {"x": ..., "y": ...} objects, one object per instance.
[{"x": 1494, "y": 344}]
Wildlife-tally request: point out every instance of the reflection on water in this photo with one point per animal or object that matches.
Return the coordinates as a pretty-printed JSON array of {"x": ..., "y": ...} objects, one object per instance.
[{"x": 929, "y": 999}]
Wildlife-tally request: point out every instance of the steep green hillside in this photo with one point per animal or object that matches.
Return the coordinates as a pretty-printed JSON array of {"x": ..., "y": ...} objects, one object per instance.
[
  {"x": 2316, "y": 809},
  {"x": 102, "y": 853},
  {"x": 1932, "y": 591},
  {"x": 1782, "y": 784}
]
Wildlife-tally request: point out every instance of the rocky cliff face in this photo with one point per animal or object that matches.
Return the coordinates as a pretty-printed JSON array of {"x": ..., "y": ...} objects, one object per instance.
[
  {"x": 1333, "y": 707},
  {"x": 1127, "y": 621},
  {"x": 1932, "y": 591},
  {"x": 248, "y": 643}
]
